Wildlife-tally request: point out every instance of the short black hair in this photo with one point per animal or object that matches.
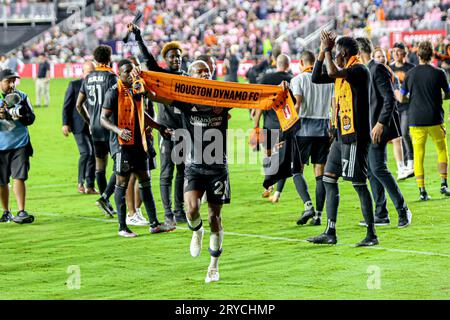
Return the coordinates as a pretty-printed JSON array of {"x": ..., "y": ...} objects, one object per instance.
[
  {"x": 399, "y": 45},
  {"x": 124, "y": 62},
  {"x": 308, "y": 56},
  {"x": 350, "y": 44},
  {"x": 102, "y": 54},
  {"x": 365, "y": 45}
]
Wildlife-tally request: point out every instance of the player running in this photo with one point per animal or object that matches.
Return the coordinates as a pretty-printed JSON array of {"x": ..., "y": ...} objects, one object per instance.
[{"x": 204, "y": 172}]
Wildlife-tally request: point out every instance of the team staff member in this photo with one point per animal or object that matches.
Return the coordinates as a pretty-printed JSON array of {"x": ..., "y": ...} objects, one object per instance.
[
  {"x": 400, "y": 68},
  {"x": 349, "y": 152},
  {"x": 425, "y": 84},
  {"x": 129, "y": 122},
  {"x": 72, "y": 122},
  {"x": 169, "y": 116},
  {"x": 15, "y": 148},
  {"x": 312, "y": 138},
  {"x": 93, "y": 92},
  {"x": 384, "y": 122},
  {"x": 271, "y": 126}
]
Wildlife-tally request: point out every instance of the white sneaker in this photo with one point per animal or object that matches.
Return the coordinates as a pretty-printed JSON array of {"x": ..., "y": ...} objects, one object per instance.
[
  {"x": 212, "y": 275},
  {"x": 135, "y": 221},
  {"x": 405, "y": 174},
  {"x": 127, "y": 234},
  {"x": 196, "y": 242},
  {"x": 141, "y": 217}
]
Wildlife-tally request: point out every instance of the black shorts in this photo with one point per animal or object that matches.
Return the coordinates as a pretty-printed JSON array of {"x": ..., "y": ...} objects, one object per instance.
[
  {"x": 349, "y": 161},
  {"x": 14, "y": 163},
  {"x": 101, "y": 148},
  {"x": 314, "y": 148},
  {"x": 271, "y": 137},
  {"x": 130, "y": 159},
  {"x": 216, "y": 184}
]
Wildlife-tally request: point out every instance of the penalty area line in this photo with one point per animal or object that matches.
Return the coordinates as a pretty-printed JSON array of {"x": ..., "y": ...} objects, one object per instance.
[{"x": 265, "y": 237}]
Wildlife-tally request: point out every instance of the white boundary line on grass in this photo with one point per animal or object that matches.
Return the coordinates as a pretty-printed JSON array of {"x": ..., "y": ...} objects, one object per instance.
[{"x": 426, "y": 253}]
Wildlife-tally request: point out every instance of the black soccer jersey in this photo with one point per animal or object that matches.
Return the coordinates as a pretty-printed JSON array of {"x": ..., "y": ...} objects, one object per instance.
[
  {"x": 95, "y": 86},
  {"x": 400, "y": 72},
  {"x": 207, "y": 141}
]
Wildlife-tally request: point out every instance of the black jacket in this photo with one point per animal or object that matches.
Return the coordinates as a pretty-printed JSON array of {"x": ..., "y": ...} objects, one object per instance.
[
  {"x": 382, "y": 102},
  {"x": 70, "y": 115}
]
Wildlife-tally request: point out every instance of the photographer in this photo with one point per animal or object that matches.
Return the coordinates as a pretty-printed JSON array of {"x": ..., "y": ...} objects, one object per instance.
[{"x": 16, "y": 113}]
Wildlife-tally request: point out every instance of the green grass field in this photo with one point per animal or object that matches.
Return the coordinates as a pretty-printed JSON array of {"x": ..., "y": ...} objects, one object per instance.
[{"x": 265, "y": 252}]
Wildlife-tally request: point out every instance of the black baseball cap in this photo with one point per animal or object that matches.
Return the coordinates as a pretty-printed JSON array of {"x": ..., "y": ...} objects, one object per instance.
[
  {"x": 8, "y": 74},
  {"x": 399, "y": 45}
]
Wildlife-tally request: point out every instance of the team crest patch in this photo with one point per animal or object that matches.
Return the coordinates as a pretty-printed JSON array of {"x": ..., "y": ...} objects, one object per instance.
[
  {"x": 347, "y": 123},
  {"x": 287, "y": 112}
]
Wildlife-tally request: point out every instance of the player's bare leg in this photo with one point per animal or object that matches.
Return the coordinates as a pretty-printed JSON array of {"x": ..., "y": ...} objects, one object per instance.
[
  {"x": 215, "y": 241},
  {"x": 192, "y": 199}
]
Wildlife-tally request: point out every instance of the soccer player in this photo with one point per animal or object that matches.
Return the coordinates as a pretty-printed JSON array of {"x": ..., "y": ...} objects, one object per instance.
[
  {"x": 400, "y": 68},
  {"x": 384, "y": 122},
  {"x": 348, "y": 153},
  {"x": 313, "y": 136},
  {"x": 271, "y": 126},
  {"x": 129, "y": 122},
  {"x": 169, "y": 116},
  {"x": 210, "y": 176},
  {"x": 425, "y": 84},
  {"x": 92, "y": 94},
  {"x": 72, "y": 122}
]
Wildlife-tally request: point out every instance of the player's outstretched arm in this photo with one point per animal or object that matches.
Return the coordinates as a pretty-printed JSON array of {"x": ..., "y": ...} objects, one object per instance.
[{"x": 150, "y": 61}]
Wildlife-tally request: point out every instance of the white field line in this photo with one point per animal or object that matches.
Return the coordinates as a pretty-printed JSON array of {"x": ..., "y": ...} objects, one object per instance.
[{"x": 414, "y": 252}]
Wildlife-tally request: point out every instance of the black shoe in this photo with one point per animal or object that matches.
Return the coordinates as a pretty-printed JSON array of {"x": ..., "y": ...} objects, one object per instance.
[
  {"x": 424, "y": 196},
  {"x": 368, "y": 242},
  {"x": 445, "y": 191},
  {"x": 7, "y": 216},
  {"x": 23, "y": 217},
  {"x": 404, "y": 218},
  {"x": 306, "y": 215},
  {"x": 180, "y": 216},
  {"x": 324, "y": 238},
  {"x": 170, "y": 220},
  {"x": 379, "y": 222},
  {"x": 316, "y": 221},
  {"x": 105, "y": 206}
]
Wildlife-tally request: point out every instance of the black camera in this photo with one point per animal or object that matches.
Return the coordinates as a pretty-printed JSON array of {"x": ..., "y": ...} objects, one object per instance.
[{"x": 11, "y": 103}]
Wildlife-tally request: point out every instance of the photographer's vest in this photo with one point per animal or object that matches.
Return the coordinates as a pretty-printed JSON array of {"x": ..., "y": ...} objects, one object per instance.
[
  {"x": 127, "y": 109},
  {"x": 13, "y": 134},
  {"x": 345, "y": 107}
]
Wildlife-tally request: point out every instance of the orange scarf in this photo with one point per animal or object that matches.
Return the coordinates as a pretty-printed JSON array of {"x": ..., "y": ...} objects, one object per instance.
[
  {"x": 126, "y": 114},
  {"x": 344, "y": 105},
  {"x": 104, "y": 67},
  {"x": 223, "y": 94}
]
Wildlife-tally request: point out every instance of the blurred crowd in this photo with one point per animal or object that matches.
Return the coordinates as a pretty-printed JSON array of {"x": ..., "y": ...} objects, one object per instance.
[{"x": 212, "y": 27}]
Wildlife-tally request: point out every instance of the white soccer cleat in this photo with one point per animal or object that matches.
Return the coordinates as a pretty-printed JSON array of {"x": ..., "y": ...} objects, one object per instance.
[
  {"x": 212, "y": 275},
  {"x": 135, "y": 221},
  {"x": 127, "y": 234},
  {"x": 196, "y": 242},
  {"x": 141, "y": 217}
]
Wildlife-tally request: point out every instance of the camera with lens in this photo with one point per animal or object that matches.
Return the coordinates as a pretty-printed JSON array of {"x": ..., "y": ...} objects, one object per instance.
[{"x": 11, "y": 103}]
